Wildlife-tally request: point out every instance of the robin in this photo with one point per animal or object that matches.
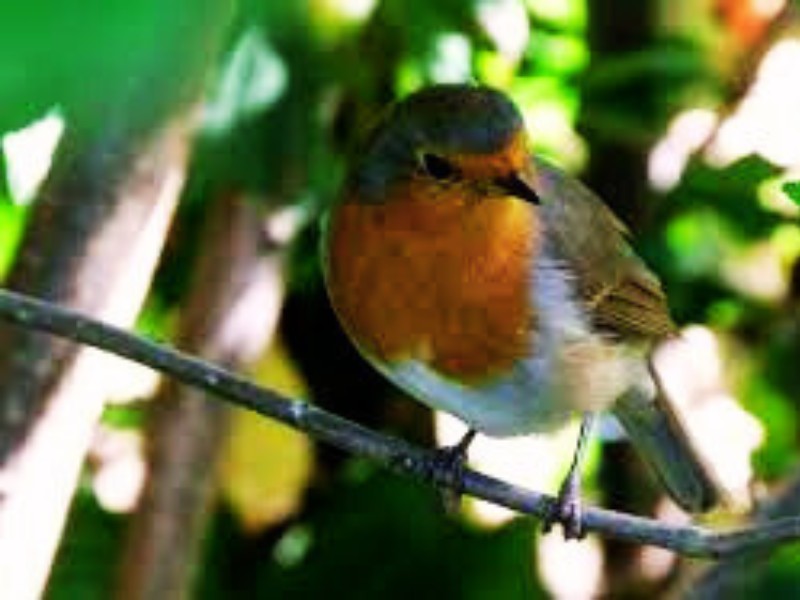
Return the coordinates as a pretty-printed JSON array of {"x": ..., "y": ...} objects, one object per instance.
[{"x": 490, "y": 285}]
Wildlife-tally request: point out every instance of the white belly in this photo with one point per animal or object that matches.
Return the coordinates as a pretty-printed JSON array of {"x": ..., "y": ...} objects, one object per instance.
[
  {"x": 537, "y": 395},
  {"x": 516, "y": 404}
]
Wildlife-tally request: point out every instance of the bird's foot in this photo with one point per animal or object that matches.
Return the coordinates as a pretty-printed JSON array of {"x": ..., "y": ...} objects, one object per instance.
[
  {"x": 568, "y": 510},
  {"x": 448, "y": 471}
]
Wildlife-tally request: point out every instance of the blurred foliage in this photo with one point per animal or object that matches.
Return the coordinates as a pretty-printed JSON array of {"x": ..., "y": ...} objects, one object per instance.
[
  {"x": 92, "y": 541},
  {"x": 792, "y": 189},
  {"x": 94, "y": 58},
  {"x": 295, "y": 85},
  {"x": 359, "y": 542}
]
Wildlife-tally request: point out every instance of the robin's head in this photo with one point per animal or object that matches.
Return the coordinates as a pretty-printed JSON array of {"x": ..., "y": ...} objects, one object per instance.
[
  {"x": 446, "y": 134},
  {"x": 429, "y": 250}
]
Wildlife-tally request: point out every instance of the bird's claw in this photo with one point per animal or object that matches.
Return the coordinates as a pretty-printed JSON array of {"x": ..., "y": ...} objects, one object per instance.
[
  {"x": 567, "y": 511},
  {"x": 448, "y": 471}
]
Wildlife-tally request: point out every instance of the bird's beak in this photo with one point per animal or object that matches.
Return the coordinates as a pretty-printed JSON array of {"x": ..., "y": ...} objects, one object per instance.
[{"x": 521, "y": 183}]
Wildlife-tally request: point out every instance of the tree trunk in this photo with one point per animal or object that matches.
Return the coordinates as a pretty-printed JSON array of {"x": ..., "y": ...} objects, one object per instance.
[{"x": 232, "y": 311}]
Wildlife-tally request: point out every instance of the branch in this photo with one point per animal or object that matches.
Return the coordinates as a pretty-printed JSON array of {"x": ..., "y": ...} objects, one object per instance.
[{"x": 391, "y": 452}]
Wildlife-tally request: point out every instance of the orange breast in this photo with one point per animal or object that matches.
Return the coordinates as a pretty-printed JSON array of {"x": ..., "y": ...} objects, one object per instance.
[{"x": 439, "y": 277}]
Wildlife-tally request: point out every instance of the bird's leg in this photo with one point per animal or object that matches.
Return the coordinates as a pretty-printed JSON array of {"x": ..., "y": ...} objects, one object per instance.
[
  {"x": 569, "y": 507},
  {"x": 448, "y": 469}
]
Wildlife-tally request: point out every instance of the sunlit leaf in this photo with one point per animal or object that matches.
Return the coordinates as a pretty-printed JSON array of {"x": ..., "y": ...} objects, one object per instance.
[
  {"x": 12, "y": 223},
  {"x": 28, "y": 155},
  {"x": 266, "y": 465}
]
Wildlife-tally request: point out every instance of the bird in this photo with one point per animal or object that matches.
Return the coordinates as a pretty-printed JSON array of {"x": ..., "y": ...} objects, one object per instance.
[{"x": 489, "y": 284}]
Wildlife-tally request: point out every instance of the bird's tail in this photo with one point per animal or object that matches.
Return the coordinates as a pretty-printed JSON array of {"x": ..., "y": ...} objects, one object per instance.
[{"x": 656, "y": 432}]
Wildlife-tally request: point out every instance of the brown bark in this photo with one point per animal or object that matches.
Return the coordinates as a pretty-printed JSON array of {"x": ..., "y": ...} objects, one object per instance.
[{"x": 232, "y": 310}]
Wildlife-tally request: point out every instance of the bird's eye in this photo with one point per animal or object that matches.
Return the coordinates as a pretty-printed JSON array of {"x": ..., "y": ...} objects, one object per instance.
[{"x": 438, "y": 167}]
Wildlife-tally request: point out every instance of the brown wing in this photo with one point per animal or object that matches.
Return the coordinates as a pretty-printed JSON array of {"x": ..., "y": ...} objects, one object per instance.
[{"x": 623, "y": 296}]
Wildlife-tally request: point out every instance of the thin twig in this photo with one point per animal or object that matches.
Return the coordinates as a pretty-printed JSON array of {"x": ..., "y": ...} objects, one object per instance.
[{"x": 391, "y": 452}]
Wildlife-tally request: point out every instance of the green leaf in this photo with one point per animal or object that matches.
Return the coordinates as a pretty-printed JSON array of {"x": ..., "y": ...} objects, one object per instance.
[{"x": 792, "y": 189}]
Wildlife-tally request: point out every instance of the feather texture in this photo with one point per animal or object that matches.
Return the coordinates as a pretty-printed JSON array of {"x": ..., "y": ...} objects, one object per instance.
[{"x": 623, "y": 298}]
